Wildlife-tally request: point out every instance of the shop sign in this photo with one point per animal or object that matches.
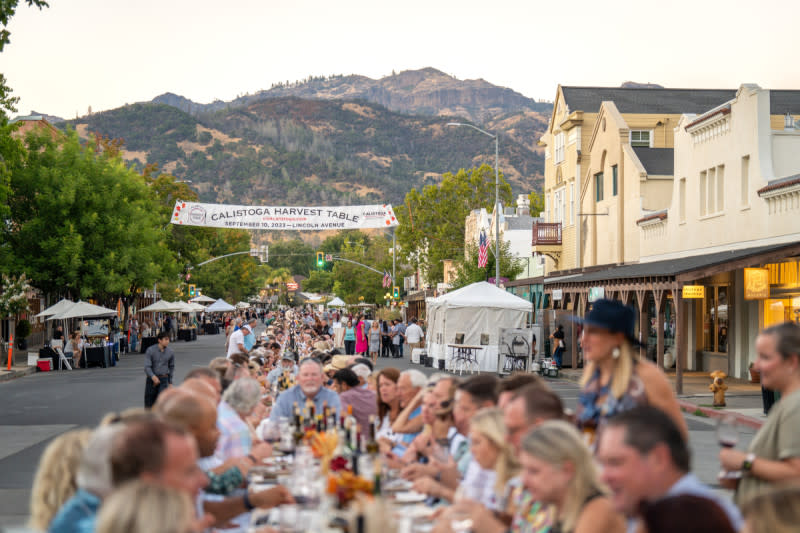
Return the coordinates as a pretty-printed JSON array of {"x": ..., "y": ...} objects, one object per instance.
[
  {"x": 756, "y": 283},
  {"x": 596, "y": 293},
  {"x": 558, "y": 294},
  {"x": 693, "y": 291}
]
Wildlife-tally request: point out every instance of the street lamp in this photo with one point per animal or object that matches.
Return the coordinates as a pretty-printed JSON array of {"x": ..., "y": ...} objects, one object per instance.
[{"x": 496, "y": 199}]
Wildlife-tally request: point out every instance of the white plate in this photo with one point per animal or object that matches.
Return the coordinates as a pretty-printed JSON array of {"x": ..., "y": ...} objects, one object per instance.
[{"x": 410, "y": 497}]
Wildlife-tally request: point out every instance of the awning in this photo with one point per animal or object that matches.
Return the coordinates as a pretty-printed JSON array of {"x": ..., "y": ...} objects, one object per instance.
[{"x": 682, "y": 269}]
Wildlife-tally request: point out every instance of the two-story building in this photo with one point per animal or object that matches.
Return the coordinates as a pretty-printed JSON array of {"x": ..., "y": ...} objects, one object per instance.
[{"x": 720, "y": 217}]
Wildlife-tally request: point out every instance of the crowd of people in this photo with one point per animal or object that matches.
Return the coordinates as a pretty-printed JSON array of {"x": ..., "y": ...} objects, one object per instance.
[{"x": 488, "y": 454}]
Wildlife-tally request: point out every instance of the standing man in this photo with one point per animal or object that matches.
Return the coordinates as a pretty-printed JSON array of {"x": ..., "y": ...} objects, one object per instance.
[
  {"x": 414, "y": 335},
  {"x": 558, "y": 337},
  {"x": 133, "y": 327},
  {"x": 159, "y": 365},
  {"x": 236, "y": 341},
  {"x": 401, "y": 332}
]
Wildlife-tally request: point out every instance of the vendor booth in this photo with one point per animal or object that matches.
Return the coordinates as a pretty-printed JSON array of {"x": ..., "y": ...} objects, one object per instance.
[{"x": 464, "y": 326}]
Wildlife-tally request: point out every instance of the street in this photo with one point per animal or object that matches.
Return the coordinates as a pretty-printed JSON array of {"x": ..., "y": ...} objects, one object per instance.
[{"x": 39, "y": 407}]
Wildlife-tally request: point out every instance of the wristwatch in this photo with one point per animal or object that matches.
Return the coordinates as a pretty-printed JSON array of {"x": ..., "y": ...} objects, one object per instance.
[{"x": 747, "y": 464}]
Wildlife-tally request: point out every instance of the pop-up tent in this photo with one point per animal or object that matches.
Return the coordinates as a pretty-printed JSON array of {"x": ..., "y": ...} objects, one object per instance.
[
  {"x": 472, "y": 312},
  {"x": 336, "y": 302},
  {"x": 220, "y": 306}
]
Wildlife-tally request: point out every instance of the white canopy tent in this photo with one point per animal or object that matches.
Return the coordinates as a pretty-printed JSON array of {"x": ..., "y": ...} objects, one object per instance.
[
  {"x": 336, "y": 302},
  {"x": 58, "y": 307},
  {"x": 161, "y": 306},
  {"x": 243, "y": 305},
  {"x": 220, "y": 306},
  {"x": 202, "y": 299},
  {"x": 474, "y": 310}
]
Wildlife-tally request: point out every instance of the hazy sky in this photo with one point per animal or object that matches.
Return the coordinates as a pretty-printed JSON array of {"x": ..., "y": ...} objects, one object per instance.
[{"x": 106, "y": 53}]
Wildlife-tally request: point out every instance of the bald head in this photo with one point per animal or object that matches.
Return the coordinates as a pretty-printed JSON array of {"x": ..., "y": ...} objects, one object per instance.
[
  {"x": 193, "y": 411},
  {"x": 202, "y": 387}
]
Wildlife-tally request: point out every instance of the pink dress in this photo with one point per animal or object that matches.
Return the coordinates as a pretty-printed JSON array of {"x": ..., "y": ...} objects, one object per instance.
[{"x": 362, "y": 342}]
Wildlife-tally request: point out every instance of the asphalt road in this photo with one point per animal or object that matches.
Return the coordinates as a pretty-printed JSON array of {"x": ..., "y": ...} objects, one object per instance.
[{"x": 37, "y": 408}]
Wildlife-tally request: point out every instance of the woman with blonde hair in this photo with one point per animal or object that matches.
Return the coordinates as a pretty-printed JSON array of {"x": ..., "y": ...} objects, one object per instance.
[
  {"x": 55, "y": 480},
  {"x": 142, "y": 507},
  {"x": 491, "y": 449},
  {"x": 558, "y": 469},
  {"x": 614, "y": 380}
]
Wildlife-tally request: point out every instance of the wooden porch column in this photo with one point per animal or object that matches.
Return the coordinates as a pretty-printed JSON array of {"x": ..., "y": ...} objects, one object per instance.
[
  {"x": 658, "y": 295},
  {"x": 641, "y": 298},
  {"x": 680, "y": 338}
]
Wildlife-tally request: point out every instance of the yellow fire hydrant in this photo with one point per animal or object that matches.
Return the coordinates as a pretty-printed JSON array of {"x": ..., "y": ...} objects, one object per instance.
[{"x": 718, "y": 387}]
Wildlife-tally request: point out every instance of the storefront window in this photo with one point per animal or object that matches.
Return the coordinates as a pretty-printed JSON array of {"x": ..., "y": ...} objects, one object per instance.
[
  {"x": 715, "y": 319},
  {"x": 777, "y": 311}
]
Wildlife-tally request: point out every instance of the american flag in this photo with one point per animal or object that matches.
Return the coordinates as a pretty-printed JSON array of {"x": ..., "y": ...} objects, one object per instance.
[
  {"x": 387, "y": 279},
  {"x": 483, "y": 250}
]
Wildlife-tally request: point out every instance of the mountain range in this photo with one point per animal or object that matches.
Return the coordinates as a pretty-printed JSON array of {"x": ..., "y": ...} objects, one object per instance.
[{"x": 329, "y": 140}]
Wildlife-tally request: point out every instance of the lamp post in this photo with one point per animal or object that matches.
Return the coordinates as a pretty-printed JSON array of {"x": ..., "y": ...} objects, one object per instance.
[{"x": 496, "y": 198}]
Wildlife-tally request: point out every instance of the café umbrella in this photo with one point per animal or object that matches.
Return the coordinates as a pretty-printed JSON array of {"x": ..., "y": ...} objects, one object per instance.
[
  {"x": 56, "y": 308},
  {"x": 82, "y": 309},
  {"x": 202, "y": 299},
  {"x": 220, "y": 306}
]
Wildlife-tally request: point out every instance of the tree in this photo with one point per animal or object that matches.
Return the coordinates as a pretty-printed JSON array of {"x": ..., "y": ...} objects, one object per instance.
[
  {"x": 537, "y": 203},
  {"x": 468, "y": 271},
  {"x": 80, "y": 221},
  {"x": 432, "y": 221}
]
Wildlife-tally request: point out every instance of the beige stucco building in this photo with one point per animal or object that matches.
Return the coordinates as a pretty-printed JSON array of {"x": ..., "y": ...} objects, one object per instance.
[
  {"x": 598, "y": 145},
  {"x": 713, "y": 205}
]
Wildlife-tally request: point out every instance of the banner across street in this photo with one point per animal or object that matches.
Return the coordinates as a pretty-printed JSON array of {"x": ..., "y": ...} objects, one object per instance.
[{"x": 283, "y": 218}]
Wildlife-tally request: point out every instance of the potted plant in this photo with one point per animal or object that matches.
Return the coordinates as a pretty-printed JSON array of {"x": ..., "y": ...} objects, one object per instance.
[
  {"x": 22, "y": 331},
  {"x": 755, "y": 375}
]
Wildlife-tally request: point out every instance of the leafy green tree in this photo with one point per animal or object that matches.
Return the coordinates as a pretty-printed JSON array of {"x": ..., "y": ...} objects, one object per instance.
[
  {"x": 81, "y": 221},
  {"x": 294, "y": 255},
  {"x": 319, "y": 281},
  {"x": 233, "y": 278},
  {"x": 468, "y": 271},
  {"x": 537, "y": 203},
  {"x": 432, "y": 221}
]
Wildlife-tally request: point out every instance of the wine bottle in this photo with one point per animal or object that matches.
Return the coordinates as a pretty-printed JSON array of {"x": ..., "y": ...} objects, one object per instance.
[
  {"x": 372, "y": 444},
  {"x": 299, "y": 431}
]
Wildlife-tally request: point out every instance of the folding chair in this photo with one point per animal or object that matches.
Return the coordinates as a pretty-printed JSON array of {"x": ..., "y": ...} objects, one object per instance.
[{"x": 62, "y": 357}]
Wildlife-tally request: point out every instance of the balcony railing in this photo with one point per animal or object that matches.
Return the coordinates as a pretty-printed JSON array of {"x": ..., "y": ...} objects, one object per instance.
[{"x": 547, "y": 233}]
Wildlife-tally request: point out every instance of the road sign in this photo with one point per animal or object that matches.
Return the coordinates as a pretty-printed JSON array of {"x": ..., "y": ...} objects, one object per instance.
[
  {"x": 328, "y": 257},
  {"x": 292, "y": 286}
]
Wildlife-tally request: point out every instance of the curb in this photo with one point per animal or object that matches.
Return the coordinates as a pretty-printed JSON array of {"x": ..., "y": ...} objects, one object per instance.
[
  {"x": 14, "y": 374},
  {"x": 744, "y": 420},
  {"x": 691, "y": 408}
]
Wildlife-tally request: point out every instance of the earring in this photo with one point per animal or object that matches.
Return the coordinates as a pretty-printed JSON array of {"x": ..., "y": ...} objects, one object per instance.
[{"x": 615, "y": 353}]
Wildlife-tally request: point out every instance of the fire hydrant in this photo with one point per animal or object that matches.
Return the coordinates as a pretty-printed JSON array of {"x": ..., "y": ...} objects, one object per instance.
[{"x": 718, "y": 387}]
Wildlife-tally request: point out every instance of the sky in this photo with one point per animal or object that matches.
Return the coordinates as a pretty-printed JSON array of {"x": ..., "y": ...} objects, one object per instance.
[{"x": 108, "y": 53}]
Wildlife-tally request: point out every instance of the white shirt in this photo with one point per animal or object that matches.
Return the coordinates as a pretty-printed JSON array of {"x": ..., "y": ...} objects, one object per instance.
[
  {"x": 414, "y": 333},
  {"x": 237, "y": 338}
]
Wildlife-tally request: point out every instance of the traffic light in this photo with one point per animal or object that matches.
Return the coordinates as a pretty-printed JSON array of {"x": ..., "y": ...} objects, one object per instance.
[
  {"x": 192, "y": 290},
  {"x": 396, "y": 292},
  {"x": 320, "y": 259}
]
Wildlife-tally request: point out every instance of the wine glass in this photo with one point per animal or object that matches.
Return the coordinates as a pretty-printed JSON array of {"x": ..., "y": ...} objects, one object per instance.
[
  {"x": 727, "y": 431},
  {"x": 728, "y": 437}
]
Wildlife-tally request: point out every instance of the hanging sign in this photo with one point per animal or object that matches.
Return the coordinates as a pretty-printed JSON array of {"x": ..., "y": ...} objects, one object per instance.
[
  {"x": 756, "y": 283},
  {"x": 693, "y": 291},
  {"x": 596, "y": 293},
  {"x": 283, "y": 218}
]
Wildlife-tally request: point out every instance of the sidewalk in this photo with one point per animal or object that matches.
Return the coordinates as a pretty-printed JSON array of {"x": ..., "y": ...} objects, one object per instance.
[
  {"x": 17, "y": 371},
  {"x": 743, "y": 398}
]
